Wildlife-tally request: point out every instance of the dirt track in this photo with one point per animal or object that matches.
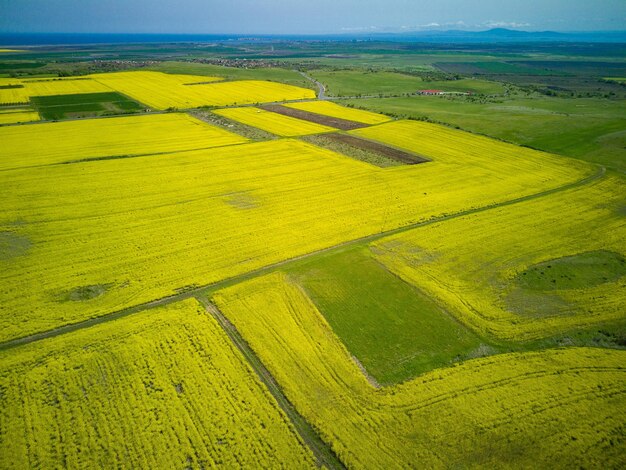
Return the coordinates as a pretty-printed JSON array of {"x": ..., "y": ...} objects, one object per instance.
[
  {"x": 337, "y": 123},
  {"x": 323, "y": 453}
]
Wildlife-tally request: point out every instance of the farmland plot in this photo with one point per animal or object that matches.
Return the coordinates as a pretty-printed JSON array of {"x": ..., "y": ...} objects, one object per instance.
[
  {"x": 560, "y": 407},
  {"x": 12, "y": 92},
  {"x": 524, "y": 271},
  {"x": 158, "y": 90},
  {"x": 163, "y": 389},
  {"x": 17, "y": 91},
  {"x": 272, "y": 122},
  {"x": 120, "y": 232},
  {"x": 328, "y": 108},
  {"x": 162, "y": 91},
  {"x": 44, "y": 144},
  {"x": 83, "y": 105},
  {"x": 63, "y": 86},
  {"x": 453, "y": 147},
  {"x": 391, "y": 327},
  {"x": 249, "y": 92},
  {"x": 155, "y": 89},
  {"x": 19, "y": 115}
]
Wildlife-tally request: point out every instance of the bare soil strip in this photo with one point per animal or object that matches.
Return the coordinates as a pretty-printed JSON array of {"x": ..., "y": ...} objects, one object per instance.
[
  {"x": 206, "y": 289},
  {"x": 326, "y": 458},
  {"x": 329, "y": 121},
  {"x": 376, "y": 147},
  {"x": 367, "y": 156}
]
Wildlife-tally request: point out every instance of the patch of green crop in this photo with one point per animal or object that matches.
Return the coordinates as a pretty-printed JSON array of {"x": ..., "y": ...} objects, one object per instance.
[
  {"x": 392, "y": 328},
  {"x": 574, "y": 272},
  {"x": 88, "y": 292},
  {"x": 359, "y": 83},
  {"x": 57, "y": 107}
]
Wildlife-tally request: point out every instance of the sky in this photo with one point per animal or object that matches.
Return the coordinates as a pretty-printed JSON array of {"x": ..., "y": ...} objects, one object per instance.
[{"x": 306, "y": 16}]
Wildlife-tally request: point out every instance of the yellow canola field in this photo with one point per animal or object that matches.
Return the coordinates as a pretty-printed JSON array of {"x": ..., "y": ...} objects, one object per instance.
[
  {"x": 477, "y": 267},
  {"x": 328, "y": 108},
  {"x": 143, "y": 84},
  {"x": 18, "y": 116},
  {"x": 126, "y": 231},
  {"x": 63, "y": 86},
  {"x": 155, "y": 89},
  {"x": 273, "y": 122},
  {"x": 11, "y": 96},
  {"x": 161, "y": 389},
  {"x": 561, "y": 407},
  {"x": 462, "y": 151},
  {"x": 162, "y": 91},
  {"x": 47, "y": 87},
  {"x": 58, "y": 142}
]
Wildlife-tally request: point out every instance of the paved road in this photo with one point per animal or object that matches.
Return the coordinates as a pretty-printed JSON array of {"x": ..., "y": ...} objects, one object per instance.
[{"x": 321, "y": 95}]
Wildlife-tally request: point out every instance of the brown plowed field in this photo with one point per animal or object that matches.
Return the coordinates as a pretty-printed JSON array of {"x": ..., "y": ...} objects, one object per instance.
[
  {"x": 394, "y": 153},
  {"x": 337, "y": 123}
]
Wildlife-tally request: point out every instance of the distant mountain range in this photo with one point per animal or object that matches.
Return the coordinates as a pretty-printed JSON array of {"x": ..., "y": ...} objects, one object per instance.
[{"x": 496, "y": 35}]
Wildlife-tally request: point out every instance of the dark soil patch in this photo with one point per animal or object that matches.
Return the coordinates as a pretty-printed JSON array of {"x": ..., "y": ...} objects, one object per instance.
[
  {"x": 373, "y": 158},
  {"x": 242, "y": 200},
  {"x": 211, "y": 82},
  {"x": 329, "y": 121},
  {"x": 381, "y": 149},
  {"x": 87, "y": 292}
]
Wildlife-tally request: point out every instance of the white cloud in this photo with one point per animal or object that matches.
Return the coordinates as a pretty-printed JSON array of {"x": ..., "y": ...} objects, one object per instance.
[
  {"x": 359, "y": 29},
  {"x": 447, "y": 24},
  {"x": 505, "y": 24}
]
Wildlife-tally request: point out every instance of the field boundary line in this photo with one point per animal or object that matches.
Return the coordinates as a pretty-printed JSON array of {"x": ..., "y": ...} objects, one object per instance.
[
  {"x": 321, "y": 450},
  {"x": 208, "y": 288},
  {"x": 126, "y": 157}
]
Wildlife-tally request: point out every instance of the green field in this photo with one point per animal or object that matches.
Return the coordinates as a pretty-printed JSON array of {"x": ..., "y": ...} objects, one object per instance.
[
  {"x": 392, "y": 328},
  {"x": 356, "y": 83},
  {"x": 20, "y": 65},
  {"x": 495, "y": 67},
  {"x": 275, "y": 74},
  {"x": 578, "y": 271},
  {"x": 420, "y": 60},
  {"x": 57, "y": 107}
]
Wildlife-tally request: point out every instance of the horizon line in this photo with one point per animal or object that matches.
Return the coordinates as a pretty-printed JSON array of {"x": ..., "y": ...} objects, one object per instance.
[{"x": 341, "y": 33}]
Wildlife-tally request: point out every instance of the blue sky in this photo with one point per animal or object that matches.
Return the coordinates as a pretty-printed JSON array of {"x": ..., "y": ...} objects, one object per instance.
[{"x": 306, "y": 17}]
